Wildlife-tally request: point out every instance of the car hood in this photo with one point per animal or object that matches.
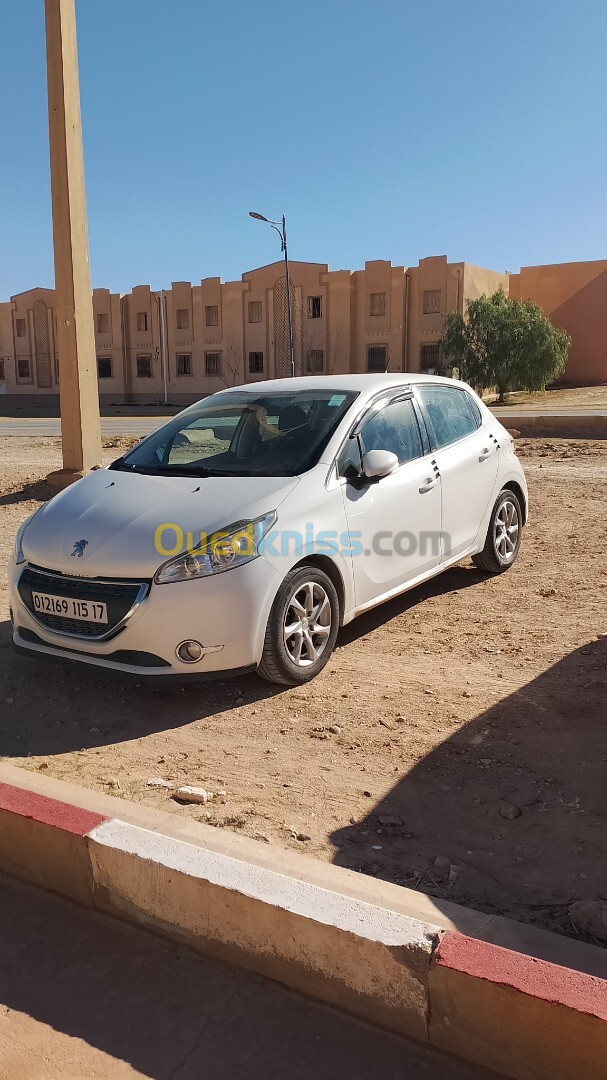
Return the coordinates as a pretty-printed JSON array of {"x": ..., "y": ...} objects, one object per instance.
[{"x": 112, "y": 519}]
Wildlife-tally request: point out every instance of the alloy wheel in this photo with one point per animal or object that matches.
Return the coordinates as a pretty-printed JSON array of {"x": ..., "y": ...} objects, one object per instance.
[
  {"x": 307, "y": 624},
  {"x": 506, "y": 530}
]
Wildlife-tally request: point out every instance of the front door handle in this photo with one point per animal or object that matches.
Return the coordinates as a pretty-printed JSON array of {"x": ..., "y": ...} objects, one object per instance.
[
  {"x": 428, "y": 484},
  {"x": 486, "y": 453}
]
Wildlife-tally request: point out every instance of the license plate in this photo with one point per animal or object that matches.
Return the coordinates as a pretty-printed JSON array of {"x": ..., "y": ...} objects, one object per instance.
[{"x": 67, "y": 608}]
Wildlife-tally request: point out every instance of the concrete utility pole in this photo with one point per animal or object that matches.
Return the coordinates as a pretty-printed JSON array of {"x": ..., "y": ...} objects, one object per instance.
[{"x": 78, "y": 393}]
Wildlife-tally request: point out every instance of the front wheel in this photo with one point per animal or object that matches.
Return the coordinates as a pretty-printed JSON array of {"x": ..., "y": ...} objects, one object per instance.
[
  {"x": 302, "y": 627},
  {"x": 503, "y": 535}
]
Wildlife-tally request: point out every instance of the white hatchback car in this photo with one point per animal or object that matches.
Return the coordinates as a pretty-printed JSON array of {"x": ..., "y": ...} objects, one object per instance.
[{"x": 245, "y": 531}]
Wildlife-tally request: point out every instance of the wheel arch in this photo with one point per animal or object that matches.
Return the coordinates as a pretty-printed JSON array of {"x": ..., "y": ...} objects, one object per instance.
[
  {"x": 512, "y": 485},
  {"x": 323, "y": 562}
]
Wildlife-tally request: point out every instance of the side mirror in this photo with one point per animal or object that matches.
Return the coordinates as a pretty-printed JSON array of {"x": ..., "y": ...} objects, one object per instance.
[{"x": 378, "y": 463}]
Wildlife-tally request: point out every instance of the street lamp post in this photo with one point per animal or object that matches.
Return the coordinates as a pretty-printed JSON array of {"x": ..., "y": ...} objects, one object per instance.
[{"x": 281, "y": 228}]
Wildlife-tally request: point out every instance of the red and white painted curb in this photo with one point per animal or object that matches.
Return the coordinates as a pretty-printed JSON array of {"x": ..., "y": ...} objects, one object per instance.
[{"x": 385, "y": 954}]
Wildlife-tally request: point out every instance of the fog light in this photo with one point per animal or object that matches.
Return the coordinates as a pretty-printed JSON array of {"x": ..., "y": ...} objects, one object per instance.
[{"x": 189, "y": 651}]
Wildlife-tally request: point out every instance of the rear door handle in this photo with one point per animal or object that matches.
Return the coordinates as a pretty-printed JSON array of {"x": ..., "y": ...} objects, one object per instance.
[
  {"x": 486, "y": 453},
  {"x": 428, "y": 484}
]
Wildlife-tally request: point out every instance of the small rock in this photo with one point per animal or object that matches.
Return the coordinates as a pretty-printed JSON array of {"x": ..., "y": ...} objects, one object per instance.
[
  {"x": 221, "y": 793},
  {"x": 261, "y": 837},
  {"x": 591, "y": 916},
  {"x": 94, "y": 730},
  {"x": 158, "y": 782},
  {"x": 509, "y": 811},
  {"x": 466, "y": 693},
  {"x": 43, "y": 766},
  {"x": 10, "y": 701},
  {"x": 384, "y": 723},
  {"x": 430, "y": 693},
  {"x": 112, "y": 782},
  {"x": 335, "y": 729},
  {"x": 193, "y": 795},
  {"x": 486, "y": 761},
  {"x": 300, "y": 836},
  {"x": 367, "y": 794},
  {"x": 442, "y": 862},
  {"x": 389, "y": 819}
]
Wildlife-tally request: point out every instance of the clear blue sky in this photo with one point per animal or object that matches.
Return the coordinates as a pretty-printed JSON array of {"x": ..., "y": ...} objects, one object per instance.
[{"x": 384, "y": 129}]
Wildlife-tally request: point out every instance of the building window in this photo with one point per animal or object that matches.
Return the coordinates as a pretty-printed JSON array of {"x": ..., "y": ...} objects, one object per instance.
[
  {"x": 184, "y": 364},
  {"x": 103, "y": 323},
  {"x": 315, "y": 360},
  {"x": 211, "y": 313},
  {"x": 183, "y": 318},
  {"x": 376, "y": 357},
  {"x": 23, "y": 368},
  {"x": 104, "y": 367},
  {"x": 314, "y": 307},
  {"x": 377, "y": 303},
  {"x": 144, "y": 367},
  {"x": 255, "y": 362},
  {"x": 20, "y": 327},
  {"x": 142, "y": 320},
  {"x": 432, "y": 304},
  {"x": 429, "y": 356},
  {"x": 255, "y": 313},
  {"x": 212, "y": 363}
]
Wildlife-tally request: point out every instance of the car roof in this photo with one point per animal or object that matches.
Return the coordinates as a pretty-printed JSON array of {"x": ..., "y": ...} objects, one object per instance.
[{"x": 367, "y": 384}]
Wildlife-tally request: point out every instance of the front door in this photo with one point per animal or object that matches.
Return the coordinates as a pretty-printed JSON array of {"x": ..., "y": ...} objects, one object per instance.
[{"x": 395, "y": 522}]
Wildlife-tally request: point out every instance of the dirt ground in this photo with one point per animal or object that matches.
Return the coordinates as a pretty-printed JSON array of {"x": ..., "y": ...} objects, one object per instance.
[
  {"x": 579, "y": 397},
  {"x": 463, "y": 722}
]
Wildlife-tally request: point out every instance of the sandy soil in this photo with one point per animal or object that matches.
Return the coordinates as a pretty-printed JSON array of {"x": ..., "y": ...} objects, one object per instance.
[
  {"x": 439, "y": 713},
  {"x": 582, "y": 397}
]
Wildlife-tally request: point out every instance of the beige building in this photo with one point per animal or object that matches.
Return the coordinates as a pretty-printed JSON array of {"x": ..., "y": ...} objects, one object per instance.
[{"x": 194, "y": 339}]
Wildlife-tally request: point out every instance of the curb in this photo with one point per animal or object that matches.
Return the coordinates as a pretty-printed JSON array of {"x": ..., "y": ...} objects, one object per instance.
[
  {"x": 478, "y": 987},
  {"x": 554, "y": 425}
]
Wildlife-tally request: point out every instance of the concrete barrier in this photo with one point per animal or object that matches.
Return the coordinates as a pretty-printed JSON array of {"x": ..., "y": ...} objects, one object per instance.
[
  {"x": 554, "y": 425},
  {"x": 431, "y": 971}
]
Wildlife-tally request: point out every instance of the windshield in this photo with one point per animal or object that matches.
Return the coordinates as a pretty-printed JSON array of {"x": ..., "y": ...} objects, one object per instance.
[{"x": 243, "y": 434}]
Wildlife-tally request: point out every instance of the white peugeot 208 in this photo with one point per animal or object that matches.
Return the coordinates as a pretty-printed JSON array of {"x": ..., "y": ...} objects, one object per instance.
[{"x": 246, "y": 530}]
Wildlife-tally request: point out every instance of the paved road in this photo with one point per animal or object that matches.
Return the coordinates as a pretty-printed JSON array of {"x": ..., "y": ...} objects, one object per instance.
[
  {"x": 110, "y": 425},
  {"x": 143, "y": 425},
  {"x": 82, "y": 996}
]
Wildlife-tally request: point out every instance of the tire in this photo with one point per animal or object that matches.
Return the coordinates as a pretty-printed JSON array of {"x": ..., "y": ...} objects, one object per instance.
[
  {"x": 306, "y": 593},
  {"x": 503, "y": 535}
]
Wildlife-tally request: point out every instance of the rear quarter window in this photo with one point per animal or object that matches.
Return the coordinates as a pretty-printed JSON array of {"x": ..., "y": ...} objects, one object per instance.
[{"x": 453, "y": 413}]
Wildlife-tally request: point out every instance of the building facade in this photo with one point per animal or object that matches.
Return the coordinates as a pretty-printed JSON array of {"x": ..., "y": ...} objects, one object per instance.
[{"x": 191, "y": 340}]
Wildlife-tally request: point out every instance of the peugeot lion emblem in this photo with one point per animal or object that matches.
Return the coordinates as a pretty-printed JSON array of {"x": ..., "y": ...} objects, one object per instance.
[{"x": 79, "y": 547}]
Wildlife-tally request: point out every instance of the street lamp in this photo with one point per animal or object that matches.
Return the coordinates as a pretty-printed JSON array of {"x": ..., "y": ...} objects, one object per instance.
[{"x": 281, "y": 228}]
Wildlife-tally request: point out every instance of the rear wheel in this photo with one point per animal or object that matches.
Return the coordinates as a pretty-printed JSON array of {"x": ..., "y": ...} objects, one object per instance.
[
  {"x": 503, "y": 535},
  {"x": 302, "y": 627}
]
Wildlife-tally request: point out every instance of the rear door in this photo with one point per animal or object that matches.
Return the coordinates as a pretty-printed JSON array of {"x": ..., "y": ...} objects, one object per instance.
[{"x": 467, "y": 458}]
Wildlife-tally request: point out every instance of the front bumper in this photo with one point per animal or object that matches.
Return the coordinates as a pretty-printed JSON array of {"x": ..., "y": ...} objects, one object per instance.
[{"x": 227, "y": 613}]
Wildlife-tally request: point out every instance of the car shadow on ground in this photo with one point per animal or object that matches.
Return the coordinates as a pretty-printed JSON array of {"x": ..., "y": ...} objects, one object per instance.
[
  {"x": 54, "y": 707},
  {"x": 507, "y": 815},
  {"x": 460, "y": 577}
]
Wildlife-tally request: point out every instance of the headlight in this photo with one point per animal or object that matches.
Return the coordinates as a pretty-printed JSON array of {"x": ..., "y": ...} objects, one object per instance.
[
  {"x": 19, "y": 556},
  {"x": 223, "y": 550}
]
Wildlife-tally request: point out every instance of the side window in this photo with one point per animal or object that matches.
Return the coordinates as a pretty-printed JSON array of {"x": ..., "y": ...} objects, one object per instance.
[
  {"x": 394, "y": 428},
  {"x": 452, "y": 412}
]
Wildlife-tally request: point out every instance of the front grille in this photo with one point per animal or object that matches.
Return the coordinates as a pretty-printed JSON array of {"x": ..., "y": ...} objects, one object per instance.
[
  {"x": 119, "y": 597},
  {"x": 133, "y": 657}
]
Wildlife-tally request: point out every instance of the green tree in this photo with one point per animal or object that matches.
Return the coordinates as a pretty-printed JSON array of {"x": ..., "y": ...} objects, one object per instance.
[{"x": 506, "y": 343}]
